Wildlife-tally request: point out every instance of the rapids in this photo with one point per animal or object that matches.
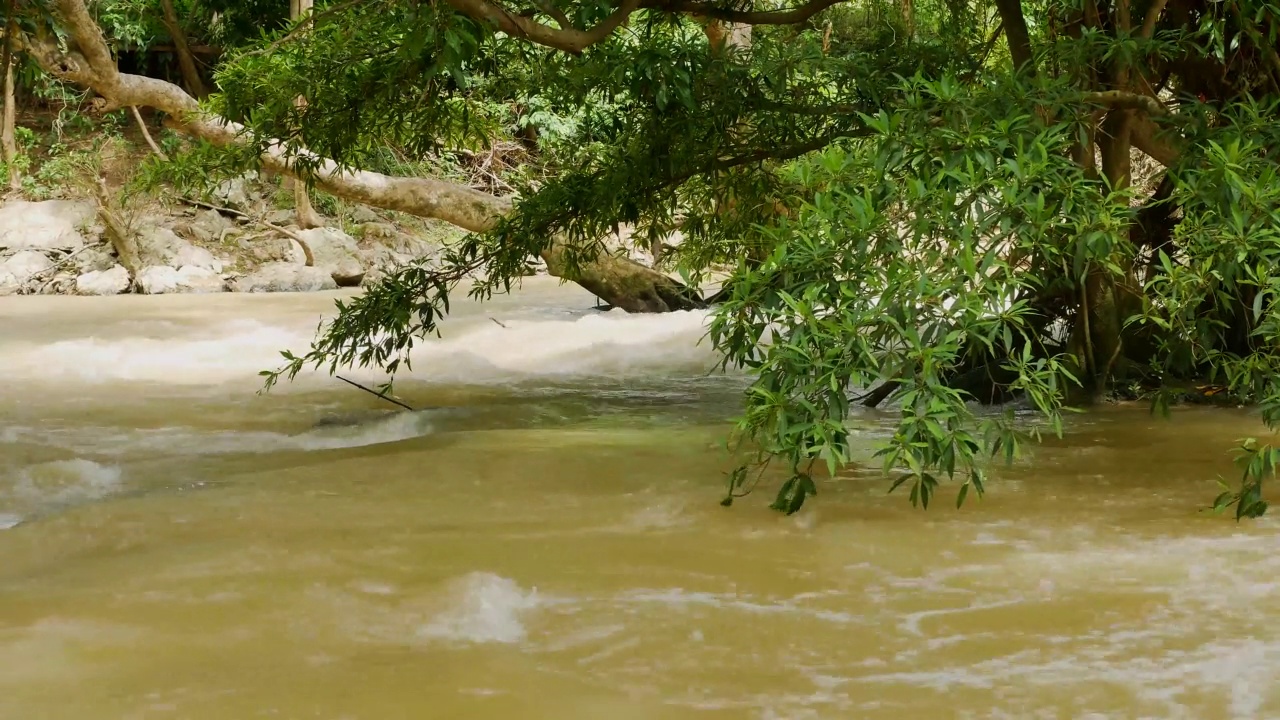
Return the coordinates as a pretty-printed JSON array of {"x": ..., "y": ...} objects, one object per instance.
[{"x": 542, "y": 539}]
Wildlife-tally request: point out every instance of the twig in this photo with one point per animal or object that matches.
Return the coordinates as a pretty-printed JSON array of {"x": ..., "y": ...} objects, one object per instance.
[
  {"x": 384, "y": 396},
  {"x": 499, "y": 322},
  {"x": 306, "y": 249},
  {"x": 146, "y": 135},
  {"x": 52, "y": 267}
]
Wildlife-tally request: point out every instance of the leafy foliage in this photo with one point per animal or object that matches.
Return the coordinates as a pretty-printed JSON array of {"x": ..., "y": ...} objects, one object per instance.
[{"x": 905, "y": 218}]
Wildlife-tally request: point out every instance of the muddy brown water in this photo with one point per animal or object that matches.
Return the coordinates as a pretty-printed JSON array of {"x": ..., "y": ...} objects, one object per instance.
[{"x": 545, "y": 541}]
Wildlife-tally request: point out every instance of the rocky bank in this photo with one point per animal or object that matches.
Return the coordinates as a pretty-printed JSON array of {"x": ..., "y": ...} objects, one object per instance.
[{"x": 62, "y": 246}]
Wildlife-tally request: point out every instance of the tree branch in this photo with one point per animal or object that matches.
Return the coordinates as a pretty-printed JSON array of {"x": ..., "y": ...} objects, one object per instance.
[
  {"x": 570, "y": 40},
  {"x": 551, "y": 9},
  {"x": 1122, "y": 100},
  {"x": 789, "y": 16},
  {"x": 1153, "y": 16},
  {"x": 621, "y": 282}
]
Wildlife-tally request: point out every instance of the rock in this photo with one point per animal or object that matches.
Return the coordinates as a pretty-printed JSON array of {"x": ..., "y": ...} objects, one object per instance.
[
  {"x": 158, "y": 280},
  {"x": 329, "y": 245},
  {"x": 415, "y": 247},
  {"x": 285, "y": 277},
  {"x": 235, "y": 193},
  {"x": 191, "y": 256},
  {"x": 26, "y": 265},
  {"x": 159, "y": 246},
  {"x": 103, "y": 282},
  {"x": 208, "y": 226},
  {"x": 336, "y": 253},
  {"x": 162, "y": 280},
  {"x": 348, "y": 273},
  {"x": 95, "y": 260},
  {"x": 363, "y": 214},
  {"x": 283, "y": 218},
  {"x": 377, "y": 231},
  {"x": 61, "y": 283},
  {"x": 194, "y": 279},
  {"x": 48, "y": 225}
]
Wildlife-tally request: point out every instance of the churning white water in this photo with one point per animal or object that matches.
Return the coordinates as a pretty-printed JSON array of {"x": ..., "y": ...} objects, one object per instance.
[{"x": 226, "y": 346}]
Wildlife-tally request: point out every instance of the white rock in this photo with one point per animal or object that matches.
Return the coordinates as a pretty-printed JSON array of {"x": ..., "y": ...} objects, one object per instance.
[
  {"x": 159, "y": 246},
  {"x": 195, "y": 279},
  {"x": 329, "y": 246},
  {"x": 158, "y": 280},
  {"x": 198, "y": 257},
  {"x": 347, "y": 273},
  {"x": 103, "y": 282},
  {"x": 48, "y": 225},
  {"x": 285, "y": 277},
  {"x": 26, "y": 265}
]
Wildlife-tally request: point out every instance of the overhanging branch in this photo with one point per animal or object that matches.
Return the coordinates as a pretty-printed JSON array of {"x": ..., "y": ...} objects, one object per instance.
[{"x": 573, "y": 40}]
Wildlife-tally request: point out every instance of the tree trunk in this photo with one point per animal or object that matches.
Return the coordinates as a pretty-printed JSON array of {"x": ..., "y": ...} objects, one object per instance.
[
  {"x": 305, "y": 214},
  {"x": 908, "y": 17},
  {"x": 8, "y": 139},
  {"x": 186, "y": 61},
  {"x": 1116, "y": 165},
  {"x": 1015, "y": 32},
  {"x": 616, "y": 280}
]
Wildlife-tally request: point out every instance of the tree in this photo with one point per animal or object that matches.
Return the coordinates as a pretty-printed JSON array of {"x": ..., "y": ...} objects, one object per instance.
[
  {"x": 8, "y": 131},
  {"x": 913, "y": 212}
]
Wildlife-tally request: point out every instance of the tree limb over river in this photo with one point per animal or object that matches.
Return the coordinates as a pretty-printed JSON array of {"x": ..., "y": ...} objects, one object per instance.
[{"x": 1088, "y": 211}]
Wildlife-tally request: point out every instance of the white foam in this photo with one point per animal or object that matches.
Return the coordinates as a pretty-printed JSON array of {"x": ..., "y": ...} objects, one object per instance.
[
  {"x": 64, "y": 481},
  {"x": 195, "y": 441},
  {"x": 482, "y": 607},
  {"x": 237, "y": 350}
]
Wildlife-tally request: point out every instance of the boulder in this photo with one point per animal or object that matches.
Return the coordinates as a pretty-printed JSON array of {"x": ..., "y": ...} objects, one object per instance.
[
  {"x": 159, "y": 245},
  {"x": 283, "y": 218},
  {"x": 336, "y": 253},
  {"x": 285, "y": 277},
  {"x": 95, "y": 259},
  {"x": 163, "y": 280},
  {"x": 235, "y": 193},
  {"x": 197, "y": 257},
  {"x": 377, "y": 231},
  {"x": 158, "y": 280},
  {"x": 381, "y": 260},
  {"x": 195, "y": 279},
  {"x": 113, "y": 281},
  {"x": 26, "y": 265},
  {"x": 329, "y": 245},
  {"x": 48, "y": 225},
  {"x": 347, "y": 273},
  {"x": 364, "y": 214},
  {"x": 208, "y": 226}
]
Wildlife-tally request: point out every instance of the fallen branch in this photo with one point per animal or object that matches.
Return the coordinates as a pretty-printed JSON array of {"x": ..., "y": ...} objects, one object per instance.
[
  {"x": 146, "y": 135},
  {"x": 306, "y": 249},
  {"x": 55, "y": 266}
]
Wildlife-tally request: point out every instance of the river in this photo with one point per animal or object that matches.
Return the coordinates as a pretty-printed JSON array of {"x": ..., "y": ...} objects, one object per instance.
[{"x": 543, "y": 539}]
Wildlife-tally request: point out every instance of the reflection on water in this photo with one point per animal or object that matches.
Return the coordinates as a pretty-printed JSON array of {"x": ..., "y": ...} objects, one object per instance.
[{"x": 542, "y": 539}]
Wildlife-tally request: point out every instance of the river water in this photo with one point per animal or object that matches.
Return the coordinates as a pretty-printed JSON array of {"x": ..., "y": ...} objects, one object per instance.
[{"x": 543, "y": 539}]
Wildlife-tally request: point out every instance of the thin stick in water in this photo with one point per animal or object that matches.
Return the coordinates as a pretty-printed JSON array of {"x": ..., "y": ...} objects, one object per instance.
[{"x": 388, "y": 398}]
